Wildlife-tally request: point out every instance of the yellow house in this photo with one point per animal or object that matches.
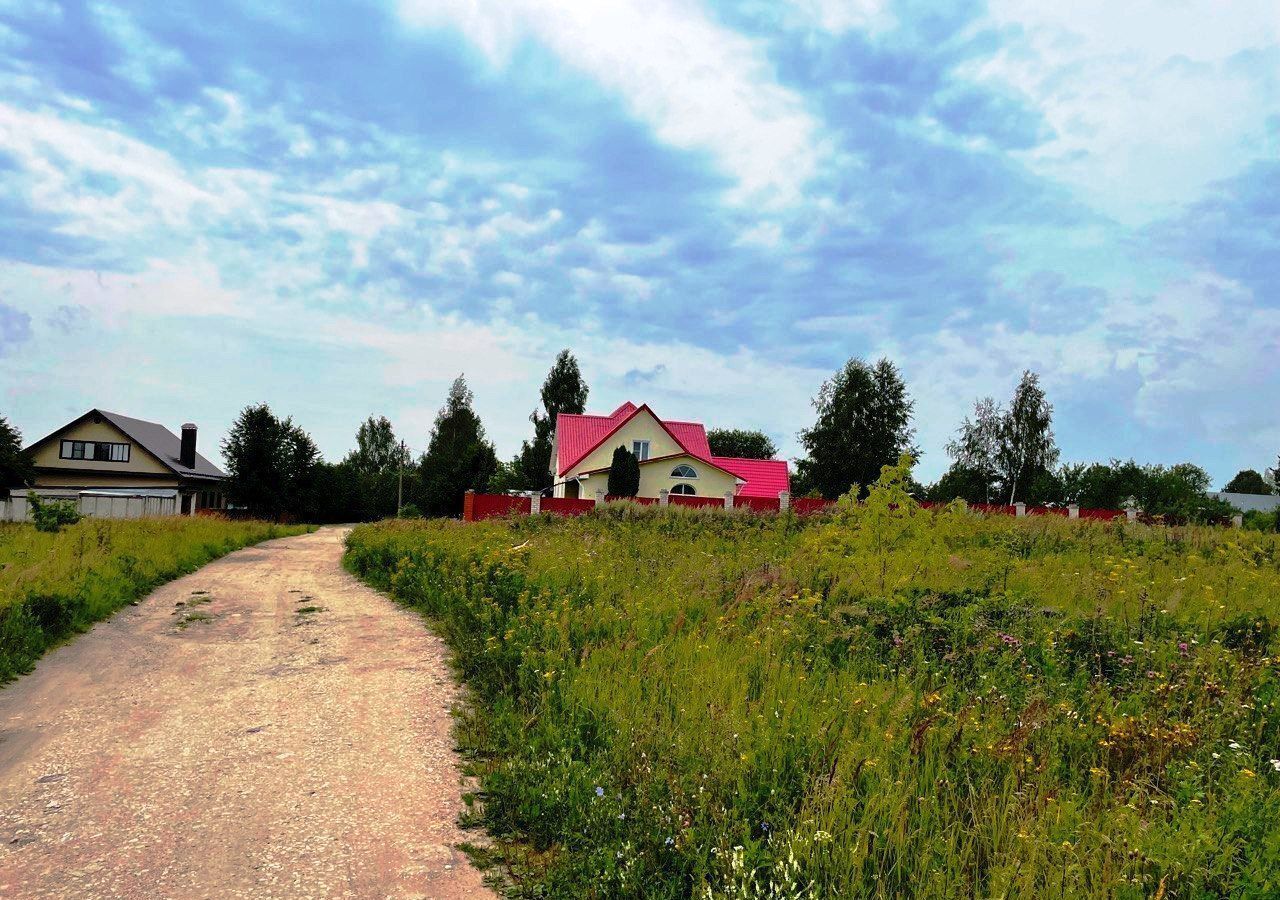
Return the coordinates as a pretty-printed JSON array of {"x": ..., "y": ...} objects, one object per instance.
[
  {"x": 107, "y": 454},
  {"x": 674, "y": 457}
]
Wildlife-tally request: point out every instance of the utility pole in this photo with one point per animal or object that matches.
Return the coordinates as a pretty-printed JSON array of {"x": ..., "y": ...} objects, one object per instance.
[{"x": 400, "y": 484}]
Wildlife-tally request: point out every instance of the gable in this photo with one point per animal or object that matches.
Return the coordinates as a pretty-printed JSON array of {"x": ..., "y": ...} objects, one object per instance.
[
  {"x": 640, "y": 425},
  {"x": 47, "y": 453}
]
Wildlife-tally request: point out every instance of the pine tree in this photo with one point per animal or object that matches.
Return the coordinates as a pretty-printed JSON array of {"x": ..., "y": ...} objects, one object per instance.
[
  {"x": 563, "y": 391},
  {"x": 458, "y": 456}
]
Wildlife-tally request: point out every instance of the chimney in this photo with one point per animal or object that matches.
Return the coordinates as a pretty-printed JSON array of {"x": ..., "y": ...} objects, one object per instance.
[{"x": 188, "y": 455}]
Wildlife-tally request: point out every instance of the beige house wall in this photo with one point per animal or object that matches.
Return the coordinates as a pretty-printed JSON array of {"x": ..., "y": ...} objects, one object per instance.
[
  {"x": 74, "y": 479},
  {"x": 710, "y": 482}
]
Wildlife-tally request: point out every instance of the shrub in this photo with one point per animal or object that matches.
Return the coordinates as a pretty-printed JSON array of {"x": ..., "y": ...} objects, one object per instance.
[{"x": 51, "y": 515}]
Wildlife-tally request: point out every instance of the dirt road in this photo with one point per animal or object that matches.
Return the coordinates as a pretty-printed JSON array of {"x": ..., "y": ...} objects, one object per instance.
[{"x": 265, "y": 727}]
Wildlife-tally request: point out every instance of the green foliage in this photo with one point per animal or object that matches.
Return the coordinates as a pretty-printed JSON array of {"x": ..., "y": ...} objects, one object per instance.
[
  {"x": 271, "y": 464},
  {"x": 458, "y": 455},
  {"x": 410, "y": 511},
  {"x": 624, "y": 474},
  {"x": 1013, "y": 449},
  {"x": 16, "y": 469},
  {"x": 563, "y": 391},
  {"x": 1248, "y": 481},
  {"x": 378, "y": 452},
  {"x": 864, "y": 423},
  {"x": 54, "y": 585},
  {"x": 51, "y": 515},
  {"x": 885, "y": 701},
  {"x": 962, "y": 483},
  {"x": 741, "y": 443}
]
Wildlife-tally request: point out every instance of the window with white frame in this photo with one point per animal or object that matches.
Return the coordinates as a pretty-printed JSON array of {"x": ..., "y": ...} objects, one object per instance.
[
  {"x": 683, "y": 489},
  {"x": 640, "y": 449},
  {"x": 684, "y": 470},
  {"x": 98, "y": 451}
]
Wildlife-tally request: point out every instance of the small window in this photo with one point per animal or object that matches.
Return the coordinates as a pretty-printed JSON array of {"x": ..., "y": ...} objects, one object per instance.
[
  {"x": 683, "y": 489},
  {"x": 640, "y": 449},
  {"x": 684, "y": 471}
]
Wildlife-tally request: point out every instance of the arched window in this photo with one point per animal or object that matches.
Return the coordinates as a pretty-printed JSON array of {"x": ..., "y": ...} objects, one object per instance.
[
  {"x": 684, "y": 471},
  {"x": 683, "y": 489}
]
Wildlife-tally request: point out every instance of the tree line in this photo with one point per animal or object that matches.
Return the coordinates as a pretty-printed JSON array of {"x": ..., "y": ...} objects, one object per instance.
[{"x": 1001, "y": 453}]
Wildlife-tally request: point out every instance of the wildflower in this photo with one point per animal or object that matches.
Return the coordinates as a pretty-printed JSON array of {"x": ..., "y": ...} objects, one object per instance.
[
  {"x": 1248, "y": 773},
  {"x": 599, "y": 791},
  {"x": 822, "y": 837},
  {"x": 1275, "y": 764},
  {"x": 669, "y": 841}
]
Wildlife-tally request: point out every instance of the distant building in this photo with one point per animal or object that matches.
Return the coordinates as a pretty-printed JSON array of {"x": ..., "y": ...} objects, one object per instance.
[
  {"x": 674, "y": 456},
  {"x": 104, "y": 454},
  {"x": 1249, "y": 502}
]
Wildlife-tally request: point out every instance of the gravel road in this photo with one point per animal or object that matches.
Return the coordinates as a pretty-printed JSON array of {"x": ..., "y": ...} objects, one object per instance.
[{"x": 265, "y": 727}]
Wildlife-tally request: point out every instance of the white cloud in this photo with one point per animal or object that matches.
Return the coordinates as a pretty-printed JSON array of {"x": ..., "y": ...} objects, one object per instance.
[
  {"x": 1149, "y": 101},
  {"x": 699, "y": 86}
]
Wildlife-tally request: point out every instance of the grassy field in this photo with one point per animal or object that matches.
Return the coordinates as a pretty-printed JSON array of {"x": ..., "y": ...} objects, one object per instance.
[
  {"x": 891, "y": 702},
  {"x": 54, "y": 585}
]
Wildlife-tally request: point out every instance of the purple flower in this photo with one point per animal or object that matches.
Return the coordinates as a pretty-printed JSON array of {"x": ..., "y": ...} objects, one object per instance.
[{"x": 599, "y": 791}]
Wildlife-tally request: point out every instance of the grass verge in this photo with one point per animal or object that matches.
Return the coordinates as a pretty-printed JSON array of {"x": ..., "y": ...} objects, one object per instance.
[{"x": 55, "y": 585}]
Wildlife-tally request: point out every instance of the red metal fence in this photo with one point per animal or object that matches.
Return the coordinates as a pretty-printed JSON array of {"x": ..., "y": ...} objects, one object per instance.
[
  {"x": 488, "y": 506},
  {"x": 567, "y": 506}
]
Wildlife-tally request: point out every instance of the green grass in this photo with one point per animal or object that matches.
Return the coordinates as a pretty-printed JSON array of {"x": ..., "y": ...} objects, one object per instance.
[
  {"x": 888, "y": 702},
  {"x": 55, "y": 585}
]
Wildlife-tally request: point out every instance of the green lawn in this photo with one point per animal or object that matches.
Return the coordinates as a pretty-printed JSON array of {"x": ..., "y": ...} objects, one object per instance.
[
  {"x": 887, "y": 702},
  {"x": 54, "y": 585}
]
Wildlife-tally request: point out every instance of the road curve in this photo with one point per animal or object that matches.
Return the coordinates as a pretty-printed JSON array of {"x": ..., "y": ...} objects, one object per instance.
[{"x": 265, "y": 727}]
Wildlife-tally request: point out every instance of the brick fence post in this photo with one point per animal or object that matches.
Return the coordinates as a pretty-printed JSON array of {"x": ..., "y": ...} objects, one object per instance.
[
  {"x": 728, "y": 499},
  {"x": 662, "y": 496},
  {"x": 469, "y": 505},
  {"x": 1131, "y": 514},
  {"x": 535, "y": 504},
  {"x": 1237, "y": 521},
  {"x": 1073, "y": 511},
  {"x": 1019, "y": 509},
  {"x": 599, "y": 497},
  {"x": 784, "y": 501}
]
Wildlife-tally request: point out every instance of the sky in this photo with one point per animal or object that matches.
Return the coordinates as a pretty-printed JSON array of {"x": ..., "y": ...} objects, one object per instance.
[{"x": 336, "y": 208}]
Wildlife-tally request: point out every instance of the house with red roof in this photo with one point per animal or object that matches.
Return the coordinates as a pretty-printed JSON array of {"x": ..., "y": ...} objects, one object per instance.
[{"x": 674, "y": 456}]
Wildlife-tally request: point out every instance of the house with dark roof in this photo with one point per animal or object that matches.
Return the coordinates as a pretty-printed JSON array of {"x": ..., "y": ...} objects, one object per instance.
[
  {"x": 105, "y": 454},
  {"x": 674, "y": 457}
]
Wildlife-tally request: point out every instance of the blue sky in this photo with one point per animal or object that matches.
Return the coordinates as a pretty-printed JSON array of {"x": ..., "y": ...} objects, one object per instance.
[{"x": 338, "y": 207}]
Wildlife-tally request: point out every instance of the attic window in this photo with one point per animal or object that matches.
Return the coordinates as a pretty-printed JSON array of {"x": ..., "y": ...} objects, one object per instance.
[
  {"x": 683, "y": 489},
  {"x": 640, "y": 449},
  {"x": 684, "y": 471},
  {"x": 100, "y": 451}
]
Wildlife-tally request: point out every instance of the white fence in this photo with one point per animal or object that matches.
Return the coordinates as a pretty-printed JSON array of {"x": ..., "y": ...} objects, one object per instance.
[{"x": 18, "y": 509}]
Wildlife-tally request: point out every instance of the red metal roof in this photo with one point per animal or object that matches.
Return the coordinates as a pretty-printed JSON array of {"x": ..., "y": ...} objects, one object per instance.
[
  {"x": 692, "y": 437},
  {"x": 764, "y": 477},
  {"x": 579, "y": 435}
]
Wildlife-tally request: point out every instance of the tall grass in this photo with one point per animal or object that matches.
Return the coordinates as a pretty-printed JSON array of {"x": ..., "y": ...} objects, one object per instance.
[
  {"x": 890, "y": 702},
  {"x": 54, "y": 585}
]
